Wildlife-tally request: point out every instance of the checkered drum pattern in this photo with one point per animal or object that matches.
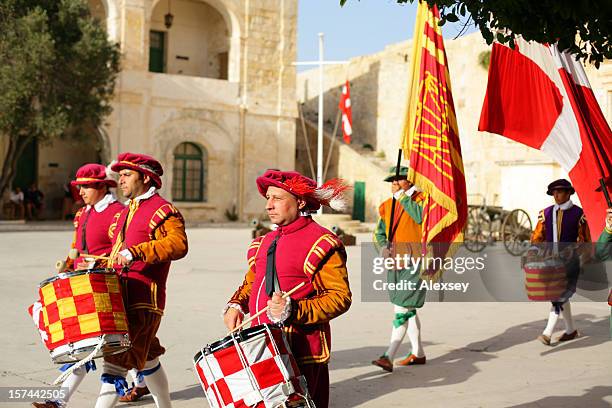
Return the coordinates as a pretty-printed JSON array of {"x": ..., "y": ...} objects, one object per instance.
[
  {"x": 79, "y": 306},
  {"x": 545, "y": 281},
  {"x": 259, "y": 371}
]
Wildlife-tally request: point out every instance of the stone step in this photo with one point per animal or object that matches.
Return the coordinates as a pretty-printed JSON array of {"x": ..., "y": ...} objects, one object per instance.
[
  {"x": 343, "y": 221},
  {"x": 330, "y": 218}
]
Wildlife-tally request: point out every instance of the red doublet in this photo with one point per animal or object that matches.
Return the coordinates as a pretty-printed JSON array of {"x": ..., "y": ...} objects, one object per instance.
[
  {"x": 144, "y": 283},
  {"x": 98, "y": 231},
  {"x": 301, "y": 247}
]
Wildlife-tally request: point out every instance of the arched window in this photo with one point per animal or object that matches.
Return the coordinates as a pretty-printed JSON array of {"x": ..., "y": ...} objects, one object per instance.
[{"x": 189, "y": 176}]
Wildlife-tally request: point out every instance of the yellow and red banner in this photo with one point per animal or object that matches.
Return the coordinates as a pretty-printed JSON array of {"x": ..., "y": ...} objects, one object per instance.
[{"x": 430, "y": 139}]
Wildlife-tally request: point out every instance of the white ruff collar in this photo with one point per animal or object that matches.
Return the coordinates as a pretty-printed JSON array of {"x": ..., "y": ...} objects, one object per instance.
[
  {"x": 104, "y": 202},
  {"x": 144, "y": 196}
]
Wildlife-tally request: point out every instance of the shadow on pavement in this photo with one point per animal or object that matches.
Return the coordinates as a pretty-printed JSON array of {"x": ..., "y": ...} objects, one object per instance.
[
  {"x": 454, "y": 367},
  {"x": 593, "y": 331},
  {"x": 594, "y": 395},
  {"x": 192, "y": 392}
]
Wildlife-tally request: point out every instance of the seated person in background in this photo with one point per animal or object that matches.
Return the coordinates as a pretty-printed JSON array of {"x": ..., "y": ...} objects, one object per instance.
[
  {"x": 16, "y": 201},
  {"x": 34, "y": 200}
]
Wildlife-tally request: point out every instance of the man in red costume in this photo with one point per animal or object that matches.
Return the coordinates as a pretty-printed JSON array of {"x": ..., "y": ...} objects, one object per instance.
[
  {"x": 150, "y": 233},
  {"x": 93, "y": 236},
  {"x": 298, "y": 251}
]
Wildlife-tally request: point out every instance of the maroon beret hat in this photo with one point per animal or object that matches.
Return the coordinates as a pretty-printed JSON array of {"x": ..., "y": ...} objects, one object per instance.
[
  {"x": 92, "y": 174},
  {"x": 141, "y": 163}
]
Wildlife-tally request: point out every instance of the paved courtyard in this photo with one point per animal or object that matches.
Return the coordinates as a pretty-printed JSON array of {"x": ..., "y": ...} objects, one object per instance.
[{"x": 479, "y": 354}]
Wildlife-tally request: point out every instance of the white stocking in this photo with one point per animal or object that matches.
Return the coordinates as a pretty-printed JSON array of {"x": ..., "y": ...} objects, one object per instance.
[
  {"x": 73, "y": 381},
  {"x": 158, "y": 384},
  {"x": 567, "y": 317},
  {"x": 108, "y": 396},
  {"x": 414, "y": 334},
  {"x": 552, "y": 322},
  {"x": 397, "y": 334},
  {"x": 137, "y": 382}
]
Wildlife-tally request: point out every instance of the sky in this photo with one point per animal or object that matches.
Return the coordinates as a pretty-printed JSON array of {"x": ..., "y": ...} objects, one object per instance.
[{"x": 361, "y": 27}]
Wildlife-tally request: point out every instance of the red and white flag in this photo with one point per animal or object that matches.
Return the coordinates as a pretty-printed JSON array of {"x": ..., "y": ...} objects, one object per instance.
[
  {"x": 347, "y": 116},
  {"x": 542, "y": 98}
]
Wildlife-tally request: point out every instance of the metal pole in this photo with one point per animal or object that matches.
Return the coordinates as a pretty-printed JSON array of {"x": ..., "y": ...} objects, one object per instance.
[
  {"x": 320, "y": 124},
  {"x": 392, "y": 221}
]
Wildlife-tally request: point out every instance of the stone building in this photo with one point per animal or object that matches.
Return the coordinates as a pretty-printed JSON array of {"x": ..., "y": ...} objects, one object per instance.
[
  {"x": 212, "y": 96},
  {"x": 498, "y": 171}
]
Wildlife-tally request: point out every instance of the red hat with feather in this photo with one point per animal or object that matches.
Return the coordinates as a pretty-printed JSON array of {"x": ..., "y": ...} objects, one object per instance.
[{"x": 329, "y": 194}]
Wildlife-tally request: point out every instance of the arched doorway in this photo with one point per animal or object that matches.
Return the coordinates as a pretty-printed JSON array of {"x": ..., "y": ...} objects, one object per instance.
[{"x": 197, "y": 44}]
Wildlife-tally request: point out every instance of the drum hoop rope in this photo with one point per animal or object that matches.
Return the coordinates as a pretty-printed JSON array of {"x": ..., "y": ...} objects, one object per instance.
[
  {"x": 214, "y": 384},
  {"x": 284, "y": 369},
  {"x": 81, "y": 363},
  {"x": 278, "y": 353},
  {"x": 247, "y": 367}
]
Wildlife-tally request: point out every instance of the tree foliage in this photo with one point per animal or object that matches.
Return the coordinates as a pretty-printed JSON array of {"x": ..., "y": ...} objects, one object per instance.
[
  {"x": 57, "y": 74},
  {"x": 582, "y": 27}
]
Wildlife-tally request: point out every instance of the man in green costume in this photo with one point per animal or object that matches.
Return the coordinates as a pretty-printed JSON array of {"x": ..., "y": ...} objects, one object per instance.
[{"x": 406, "y": 239}]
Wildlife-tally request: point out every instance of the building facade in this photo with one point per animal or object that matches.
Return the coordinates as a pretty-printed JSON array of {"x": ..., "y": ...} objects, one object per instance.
[{"x": 211, "y": 95}]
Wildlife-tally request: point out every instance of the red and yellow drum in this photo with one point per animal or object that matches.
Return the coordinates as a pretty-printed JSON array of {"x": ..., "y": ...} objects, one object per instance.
[
  {"x": 76, "y": 309},
  {"x": 545, "y": 280}
]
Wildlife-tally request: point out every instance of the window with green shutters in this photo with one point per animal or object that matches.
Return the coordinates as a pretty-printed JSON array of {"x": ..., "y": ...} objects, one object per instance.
[
  {"x": 189, "y": 173},
  {"x": 157, "y": 52}
]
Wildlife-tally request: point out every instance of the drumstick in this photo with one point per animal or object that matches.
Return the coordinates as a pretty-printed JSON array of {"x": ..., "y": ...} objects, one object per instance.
[
  {"x": 265, "y": 309},
  {"x": 107, "y": 258},
  {"x": 60, "y": 266},
  {"x": 74, "y": 254}
]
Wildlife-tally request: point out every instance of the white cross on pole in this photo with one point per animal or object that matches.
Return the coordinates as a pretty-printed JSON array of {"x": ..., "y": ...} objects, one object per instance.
[{"x": 321, "y": 63}]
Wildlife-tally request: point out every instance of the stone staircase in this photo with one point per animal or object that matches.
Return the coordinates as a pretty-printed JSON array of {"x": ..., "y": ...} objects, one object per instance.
[{"x": 343, "y": 221}]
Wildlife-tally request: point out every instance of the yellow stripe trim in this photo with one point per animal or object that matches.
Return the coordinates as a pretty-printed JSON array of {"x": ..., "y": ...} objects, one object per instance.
[{"x": 89, "y": 179}]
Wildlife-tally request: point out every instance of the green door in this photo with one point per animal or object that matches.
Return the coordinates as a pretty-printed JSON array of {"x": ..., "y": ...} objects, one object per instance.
[
  {"x": 157, "y": 52},
  {"x": 25, "y": 173},
  {"x": 359, "y": 201}
]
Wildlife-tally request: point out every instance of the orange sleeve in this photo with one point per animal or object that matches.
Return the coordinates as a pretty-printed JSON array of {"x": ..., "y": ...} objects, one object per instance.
[
  {"x": 333, "y": 294},
  {"x": 169, "y": 243},
  {"x": 584, "y": 234},
  {"x": 539, "y": 234},
  {"x": 243, "y": 294}
]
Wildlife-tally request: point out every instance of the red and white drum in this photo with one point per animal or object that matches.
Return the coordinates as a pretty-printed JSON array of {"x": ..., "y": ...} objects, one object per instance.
[
  {"x": 78, "y": 310},
  {"x": 251, "y": 368}
]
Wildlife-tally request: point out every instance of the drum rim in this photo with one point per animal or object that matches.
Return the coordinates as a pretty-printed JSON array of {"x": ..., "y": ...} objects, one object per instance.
[
  {"x": 67, "y": 349},
  {"x": 242, "y": 335},
  {"x": 64, "y": 275}
]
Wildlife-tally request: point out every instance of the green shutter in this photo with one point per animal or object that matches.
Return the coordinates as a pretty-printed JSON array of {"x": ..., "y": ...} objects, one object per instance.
[
  {"x": 359, "y": 201},
  {"x": 189, "y": 173},
  {"x": 157, "y": 51}
]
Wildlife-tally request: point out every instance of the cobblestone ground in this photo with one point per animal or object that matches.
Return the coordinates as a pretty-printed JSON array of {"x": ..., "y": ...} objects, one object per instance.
[{"x": 478, "y": 354}]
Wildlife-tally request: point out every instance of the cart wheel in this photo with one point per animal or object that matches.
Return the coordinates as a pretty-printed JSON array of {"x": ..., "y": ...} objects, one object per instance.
[
  {"x": 477, "y": 231},
  {"x": 516, "y": 232}
]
